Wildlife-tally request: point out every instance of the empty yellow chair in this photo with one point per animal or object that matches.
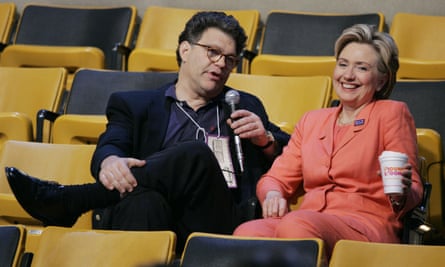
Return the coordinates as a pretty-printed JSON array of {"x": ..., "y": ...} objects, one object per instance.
[
  {"x": 430, "y": 147},
  {"x": 420, "y": 39},
  {"x": 348, "y": 253},
  {"x": 73, "y": 247},
  {"x": 157, "y": 40},
  {"x": 23, "y": 92},
  {"x": 285, "y": 98}
]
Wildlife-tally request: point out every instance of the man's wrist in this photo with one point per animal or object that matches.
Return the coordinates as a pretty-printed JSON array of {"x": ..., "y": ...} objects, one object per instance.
[{"x": 270, "y": 140}]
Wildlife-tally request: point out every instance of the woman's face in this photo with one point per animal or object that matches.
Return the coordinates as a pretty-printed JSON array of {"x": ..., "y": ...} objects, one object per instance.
[{"x": 356, "y": 77}]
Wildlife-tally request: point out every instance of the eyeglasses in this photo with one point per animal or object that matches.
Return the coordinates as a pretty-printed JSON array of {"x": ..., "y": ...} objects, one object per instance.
[{"x": 215, "y": 55}]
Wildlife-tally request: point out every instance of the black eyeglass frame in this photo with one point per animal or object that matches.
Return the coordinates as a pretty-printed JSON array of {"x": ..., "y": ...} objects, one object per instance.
[{"x": 214, "y": 55}]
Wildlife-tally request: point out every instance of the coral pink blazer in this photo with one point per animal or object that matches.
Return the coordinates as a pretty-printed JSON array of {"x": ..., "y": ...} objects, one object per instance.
[{"x": 344, "y": 181}]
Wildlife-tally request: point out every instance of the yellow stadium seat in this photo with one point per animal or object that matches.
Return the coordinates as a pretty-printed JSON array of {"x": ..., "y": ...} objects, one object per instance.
[
  {"x": 302, "y": 44},
  {"x": 209, "y": 250},
  {"x": 285, "y": 98},
  {"x": 157, "y": 40},
  {"x": 430, "y": 147},
  {"x": 68, "y": 247},
  {"x": 7, "y": 17},
  {"x": 348, "y": 253},
  {"x": 66, "y": 164},
  {"x": 420, "y": 39},
  {"x": 23, "y": 92}
]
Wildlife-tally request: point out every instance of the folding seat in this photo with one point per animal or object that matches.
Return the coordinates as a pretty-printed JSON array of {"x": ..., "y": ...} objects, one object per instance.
[
  {"x": 66, "y": 164},
  {"x": 349, "y": 253},
  {"x": 12, "y": 244},
  {"x": 7, "y": 20},
  {"x": 286, "y": 98},
  {"x": 420, "y": 39},
  {"x": 67, "y": 247},
  {"x": 302, "y": 44},
  {"x": 71, "y": 37},
  {"x": 23, "y": 91},
  {"x": 210, "y": 250},
  {"x": 431, "y": 212},
  {"x": 83, "y": 117},
  {"x": 157, "y": 39}
]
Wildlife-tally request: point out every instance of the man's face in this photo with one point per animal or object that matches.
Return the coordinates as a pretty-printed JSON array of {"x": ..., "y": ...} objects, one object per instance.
[{"x": 207, "y": 64}]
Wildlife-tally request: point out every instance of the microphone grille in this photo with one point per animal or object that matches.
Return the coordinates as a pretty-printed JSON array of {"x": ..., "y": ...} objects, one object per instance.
[{"x": 232, "y": 97}]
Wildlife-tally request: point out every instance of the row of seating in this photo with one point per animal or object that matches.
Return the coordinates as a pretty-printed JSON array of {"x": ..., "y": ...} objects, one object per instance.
[
  {"x": 69, "y": 164},
  {"x": 73, "y": 247},
  {"x": 82, "y": 118},
  {"x": 287, "y": 98},
  {"x": 291, "y": 43}
]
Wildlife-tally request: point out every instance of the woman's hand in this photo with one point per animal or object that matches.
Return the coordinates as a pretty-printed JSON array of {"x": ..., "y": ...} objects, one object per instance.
[
  {"x": 274, "y": 205},
  {"x": 406, "y": 180}
]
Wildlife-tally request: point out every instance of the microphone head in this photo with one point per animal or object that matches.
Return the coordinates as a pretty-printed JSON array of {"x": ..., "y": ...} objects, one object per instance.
[{"x": 232, "y": 97}]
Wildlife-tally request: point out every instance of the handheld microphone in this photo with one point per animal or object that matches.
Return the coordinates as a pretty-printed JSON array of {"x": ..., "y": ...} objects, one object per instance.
[{"x": 232, "y": 99}]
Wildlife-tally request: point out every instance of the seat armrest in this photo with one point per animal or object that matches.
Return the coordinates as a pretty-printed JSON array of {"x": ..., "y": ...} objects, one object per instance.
[
  {"x": 120, "y": 56},
  {"x": 43, "y": 115},
  {"x": 2, "y": 46}
]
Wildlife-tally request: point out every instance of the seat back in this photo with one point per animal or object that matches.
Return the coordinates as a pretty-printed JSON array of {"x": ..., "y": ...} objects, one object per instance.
[
  {"x": 66, "y": 164},
  {"x": 23, "y": 91},
  {"x": 73, "y": 247},
  {"x": 428, "y": 109},
  {"x": 302, "y": 44},
  {"x": 161, "y": 27},
  {"x": 71, "y": 37},
  {"x": 100, "y": 27},
  {"x": 309, "y": 34},
  {"x": 430, "y": 148},
  {"x": 12, "y": 244},
  {"x": 407, "y": 29},
  {"x": 285, "y": 98},
  {"x": 91, "y": 88},
  {"x": 423, "y": 59},
  {"x": 214, "y": 250},
  {"x": 7, "y": 17},
  {"x": 89, "y": 96},
  {"x": 349, "y": 253}
]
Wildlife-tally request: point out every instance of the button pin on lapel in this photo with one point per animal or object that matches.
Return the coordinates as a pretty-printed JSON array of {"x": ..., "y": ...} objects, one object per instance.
[{"x": 359, "y": 122}]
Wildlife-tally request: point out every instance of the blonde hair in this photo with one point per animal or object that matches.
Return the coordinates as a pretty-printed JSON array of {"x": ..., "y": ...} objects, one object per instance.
[{"x": 383, "y": 44}]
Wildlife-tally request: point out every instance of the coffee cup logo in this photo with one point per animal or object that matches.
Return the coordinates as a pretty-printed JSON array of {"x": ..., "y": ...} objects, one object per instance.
[{"x": 392, "y": 171}]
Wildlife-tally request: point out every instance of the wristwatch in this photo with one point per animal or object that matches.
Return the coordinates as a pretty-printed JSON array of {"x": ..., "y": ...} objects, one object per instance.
[{"x": 270, "y": 138}]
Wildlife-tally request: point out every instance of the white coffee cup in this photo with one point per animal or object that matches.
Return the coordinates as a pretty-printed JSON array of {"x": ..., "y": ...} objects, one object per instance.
[{"x": 391, "y": 166}]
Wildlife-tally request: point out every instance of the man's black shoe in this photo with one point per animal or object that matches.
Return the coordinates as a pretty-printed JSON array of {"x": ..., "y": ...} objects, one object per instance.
[{"x": 41, "y": 199}]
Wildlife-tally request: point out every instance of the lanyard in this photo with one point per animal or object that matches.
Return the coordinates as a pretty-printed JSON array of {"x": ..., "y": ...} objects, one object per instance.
[{"x": 199, "y": 128}]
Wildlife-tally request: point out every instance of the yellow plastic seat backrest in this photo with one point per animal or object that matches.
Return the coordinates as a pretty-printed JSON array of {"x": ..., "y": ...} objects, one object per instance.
[
  {"x": 285, "y": 98},
  {"x": 161, "y": 27},
  {"x": 349, "y": 253},
  {"x": 420, "y": 39},
  {"x": 63, "y": 163},
  {"x": 7, "y": 16},
  {"x": 430, "y": 147},
  {"x": 24, "y": 91},
  {"x": 73, "y": 247}
]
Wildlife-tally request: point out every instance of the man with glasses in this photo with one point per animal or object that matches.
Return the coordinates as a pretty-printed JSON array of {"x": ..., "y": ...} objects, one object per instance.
[{"x": 167, "y": 159}]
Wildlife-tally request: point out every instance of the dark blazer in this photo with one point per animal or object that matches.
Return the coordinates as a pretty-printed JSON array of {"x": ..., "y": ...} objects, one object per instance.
[{"x": 137, "y": 125}]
